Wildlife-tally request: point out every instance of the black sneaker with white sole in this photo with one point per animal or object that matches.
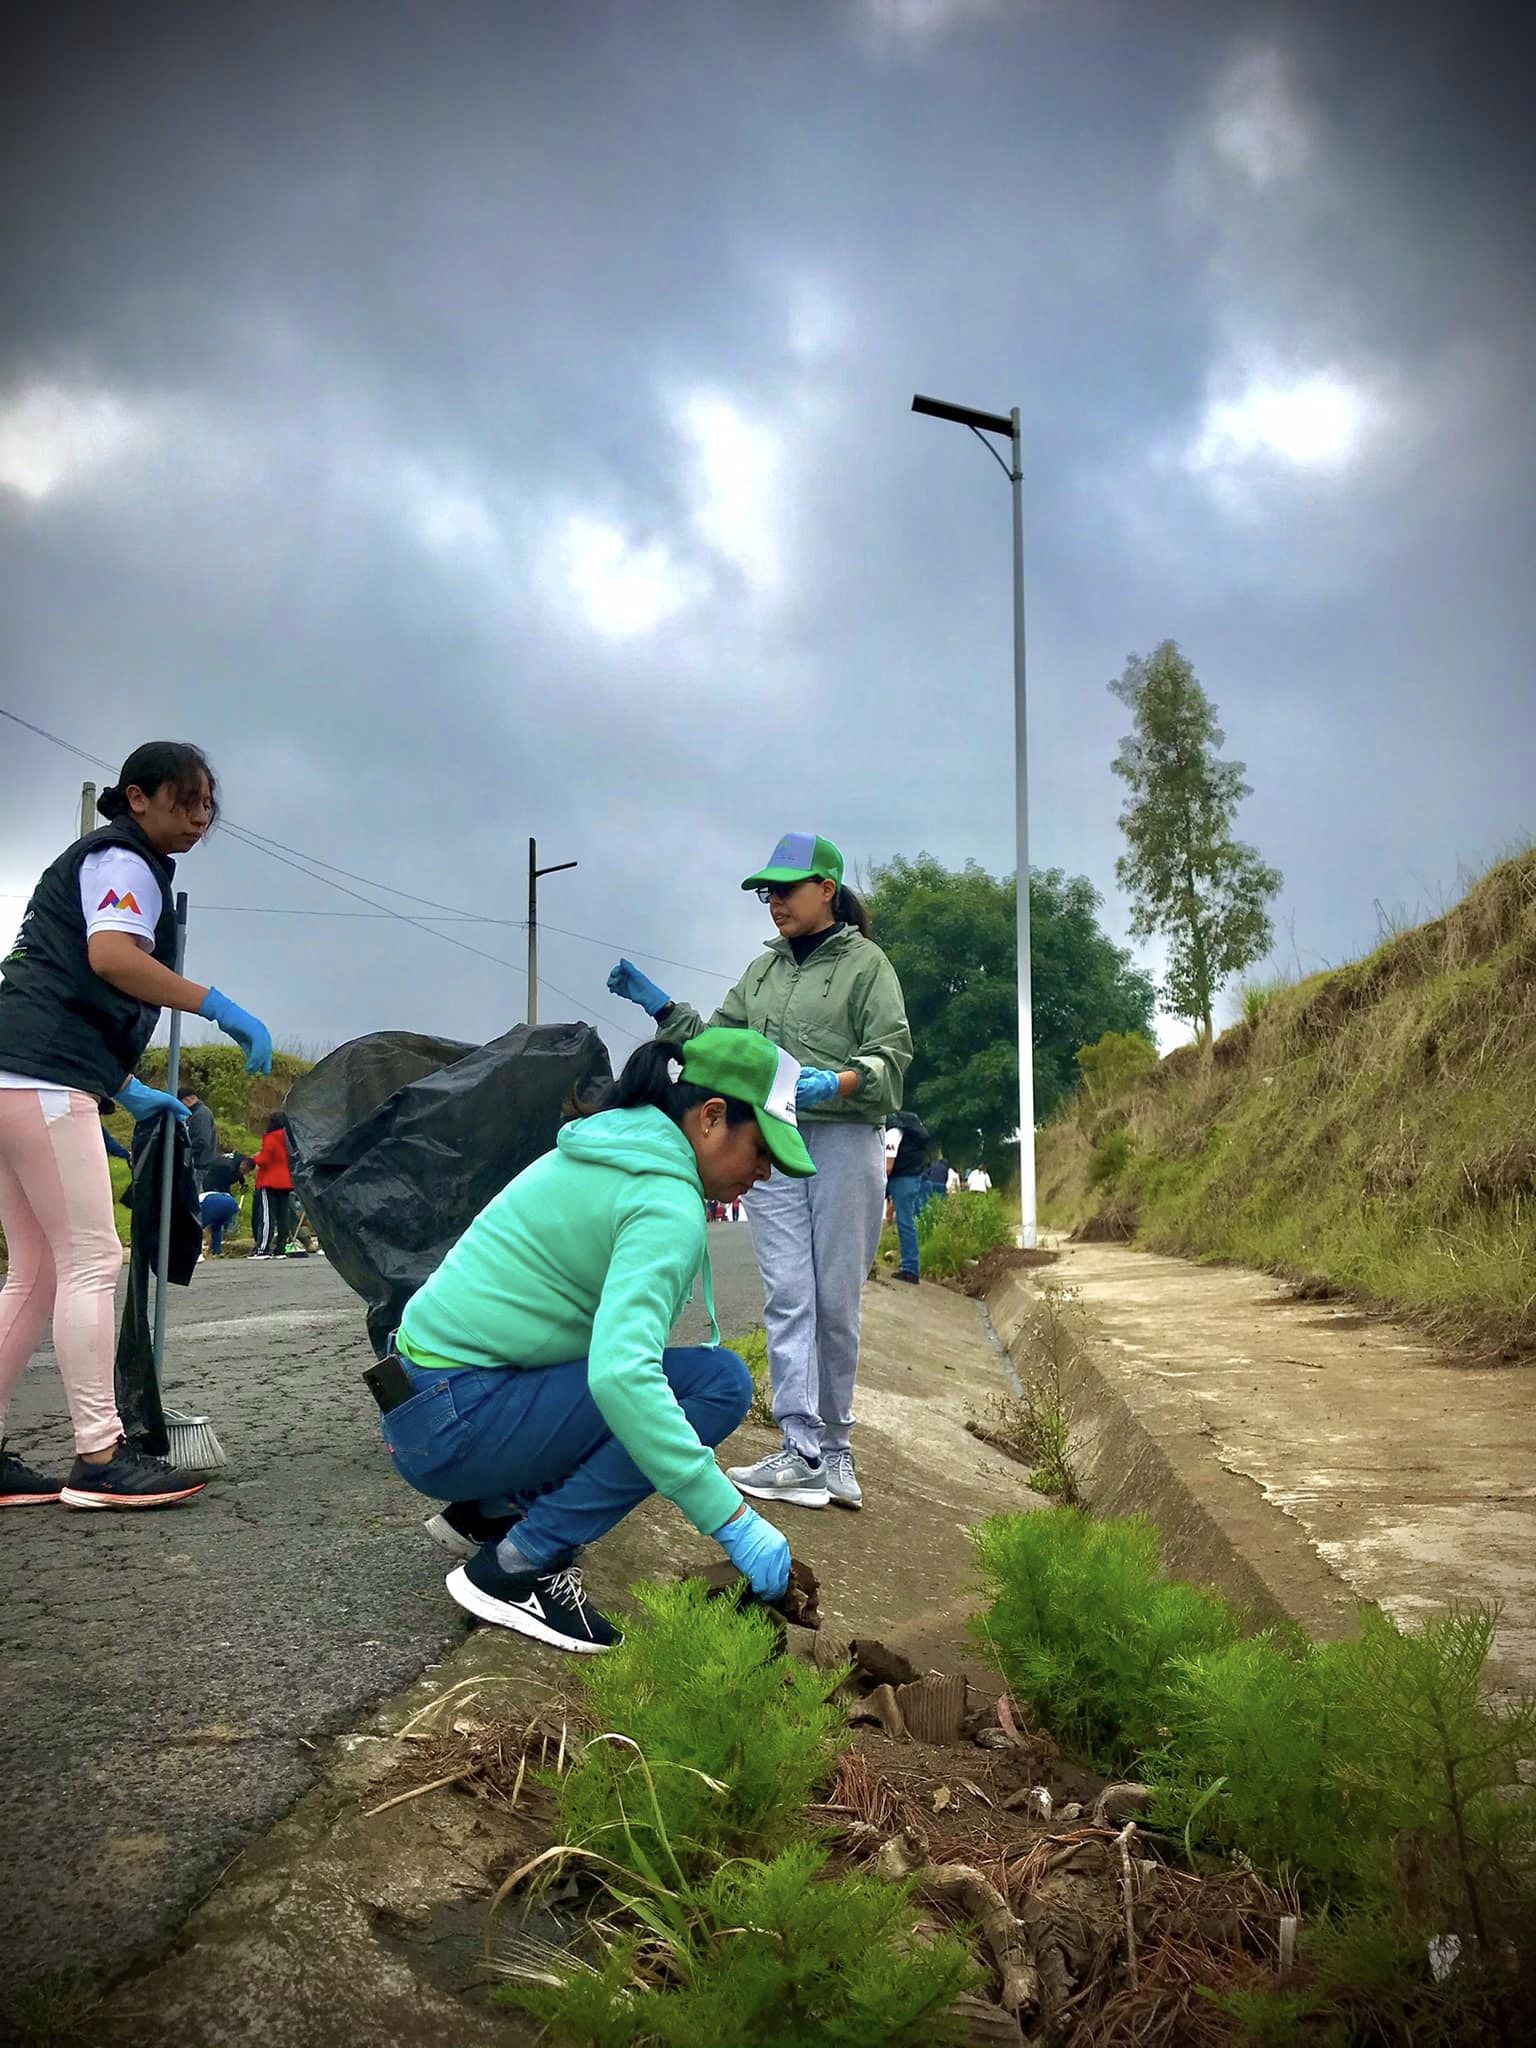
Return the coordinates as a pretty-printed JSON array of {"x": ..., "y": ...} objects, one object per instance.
[
  {"x": 20, "y": 1486},
  {"x": 461, "y": 1528},
  {"x": 549, "y": 1606},
  {"x": 130, "y": 1479}
]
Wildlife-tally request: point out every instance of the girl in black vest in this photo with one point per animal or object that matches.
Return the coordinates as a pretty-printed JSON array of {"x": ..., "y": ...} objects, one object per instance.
[{"x": 82, "y": 991}]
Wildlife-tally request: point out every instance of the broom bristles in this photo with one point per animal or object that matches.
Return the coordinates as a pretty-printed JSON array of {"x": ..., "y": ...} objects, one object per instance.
[{"x": 193, "y": 1445}]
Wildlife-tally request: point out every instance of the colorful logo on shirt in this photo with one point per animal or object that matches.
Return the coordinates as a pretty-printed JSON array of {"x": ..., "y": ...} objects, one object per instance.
[{"x": 112, "y": 901}]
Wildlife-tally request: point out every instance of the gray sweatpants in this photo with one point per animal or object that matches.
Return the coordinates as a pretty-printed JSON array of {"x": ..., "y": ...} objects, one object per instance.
[{"x": 815, "y": 1242}]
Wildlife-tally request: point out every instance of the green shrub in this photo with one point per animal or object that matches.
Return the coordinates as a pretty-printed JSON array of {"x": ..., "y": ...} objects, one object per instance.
[
  {"x": 767, "y": 1953},
  {"x": 1111, "y": 1156},
  {"x": 1326, "y": 1758},
  {"x": 1089, "y": 1631},
  {"x": 952, "y": 1234},
  {"x": 751, "y": 1346},
  {"x": 1113, "y": 1065},
  {"x": 729, "y": 1738},
  {"x": 1267, "y": 1751}
]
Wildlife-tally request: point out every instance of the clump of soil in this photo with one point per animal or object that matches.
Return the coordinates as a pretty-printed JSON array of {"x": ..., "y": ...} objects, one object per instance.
[{"x": 980, "y": 1279}]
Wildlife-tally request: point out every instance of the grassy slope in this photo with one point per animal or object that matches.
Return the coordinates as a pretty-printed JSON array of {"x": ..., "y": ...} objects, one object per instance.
[
  {"x": 1374, "y": 1128},
  {"x": 241, "y": 1104}
]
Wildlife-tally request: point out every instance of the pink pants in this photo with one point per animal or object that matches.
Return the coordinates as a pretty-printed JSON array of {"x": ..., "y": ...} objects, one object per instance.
[{"x": 56, "y": 1212}]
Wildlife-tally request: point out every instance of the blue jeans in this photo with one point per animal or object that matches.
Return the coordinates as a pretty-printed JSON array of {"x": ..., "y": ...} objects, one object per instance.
[
  {"x": 907, "y": 1195},
  {"x": 533, "y": 1436},
  {"x": 219, "y": 1211}
]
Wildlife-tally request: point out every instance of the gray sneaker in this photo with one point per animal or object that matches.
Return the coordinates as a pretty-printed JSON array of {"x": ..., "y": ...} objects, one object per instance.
[
  {"x": 842, "y": 1484},
  {"x": 784, "y": 1476}
]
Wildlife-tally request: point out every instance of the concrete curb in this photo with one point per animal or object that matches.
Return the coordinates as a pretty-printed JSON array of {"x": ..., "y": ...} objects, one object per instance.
[{"x": 1138, "y": 1451}]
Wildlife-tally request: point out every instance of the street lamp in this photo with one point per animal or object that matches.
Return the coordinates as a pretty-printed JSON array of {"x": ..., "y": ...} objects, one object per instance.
[
  {"x": 1006, "y": 425},
  {"x": 534, "y": 872}
]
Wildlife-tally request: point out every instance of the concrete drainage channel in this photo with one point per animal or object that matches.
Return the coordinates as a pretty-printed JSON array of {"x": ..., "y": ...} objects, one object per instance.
[{"x": 1299, "y": 1456}]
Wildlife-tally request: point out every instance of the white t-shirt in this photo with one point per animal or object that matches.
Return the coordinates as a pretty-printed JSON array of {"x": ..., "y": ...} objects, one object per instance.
[
  {"x": 118, "y": 893},
  {"x": 978, "y": 1180}
]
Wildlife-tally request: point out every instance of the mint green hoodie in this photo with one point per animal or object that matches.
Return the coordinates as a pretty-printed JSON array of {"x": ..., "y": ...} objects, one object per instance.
[{"x": 590, "y": 1253}]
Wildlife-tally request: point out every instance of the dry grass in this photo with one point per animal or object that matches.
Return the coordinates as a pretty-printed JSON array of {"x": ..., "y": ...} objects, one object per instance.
[
  {"x": 1193, "y": 1936},
  {"x": 1370, "y": 1128},
  {"x": 459, "y": 1742}
]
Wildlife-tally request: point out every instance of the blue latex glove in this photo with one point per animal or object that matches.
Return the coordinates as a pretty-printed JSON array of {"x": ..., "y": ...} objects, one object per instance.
[
  {"x": 758, "y": 1552},
  {"x": 627, "y": 981},
  {"x": 140, "y": 1101},
  {"x": 242, "y": 1027},
  {"x": 815, "y": 1085}
]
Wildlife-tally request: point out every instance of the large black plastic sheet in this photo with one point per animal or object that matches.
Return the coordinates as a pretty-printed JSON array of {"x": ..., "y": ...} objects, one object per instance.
[{"x": 398, "y": 1141}]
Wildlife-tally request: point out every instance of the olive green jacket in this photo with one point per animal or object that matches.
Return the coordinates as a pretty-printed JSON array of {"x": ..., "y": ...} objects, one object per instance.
[{"x": 844, "y": 1008}]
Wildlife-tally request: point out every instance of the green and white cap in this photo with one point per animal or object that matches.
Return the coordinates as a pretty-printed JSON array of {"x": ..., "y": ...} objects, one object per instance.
[
  {"x": 751, "y": 1068},
  {"x": 800, "y": 857}
]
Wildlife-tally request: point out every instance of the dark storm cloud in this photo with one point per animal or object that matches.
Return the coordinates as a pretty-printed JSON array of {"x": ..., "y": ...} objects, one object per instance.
[{"x": 476, "y": 421}]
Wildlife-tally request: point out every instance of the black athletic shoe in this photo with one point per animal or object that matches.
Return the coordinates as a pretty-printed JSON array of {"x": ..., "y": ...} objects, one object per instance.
[
  {"x": 910, "y": 1278},
  {"x": 132, "y": 1479},
  {"x": 461, "y": 1528},
  {"x": 549, "y": 1606},
  {"x": 20, "y": 1486}
]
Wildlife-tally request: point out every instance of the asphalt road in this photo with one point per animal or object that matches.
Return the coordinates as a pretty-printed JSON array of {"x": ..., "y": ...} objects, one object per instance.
[{"x": 161, "y": 1674}]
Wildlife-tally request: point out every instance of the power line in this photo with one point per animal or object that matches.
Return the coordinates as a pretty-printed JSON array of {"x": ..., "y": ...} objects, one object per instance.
[
  {"x": 264, "y": 843},
  {"x": 255, "y": 841}
]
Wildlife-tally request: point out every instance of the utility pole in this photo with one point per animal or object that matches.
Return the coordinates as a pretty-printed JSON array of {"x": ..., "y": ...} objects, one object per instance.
[
  {"x": 1006, "y": 427},
  {"x": 534, "y": 872},
  {"x": 87, "y": 808}
]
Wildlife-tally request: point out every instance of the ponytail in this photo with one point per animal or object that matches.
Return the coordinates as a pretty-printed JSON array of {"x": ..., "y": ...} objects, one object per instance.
[
  {"x": 646, "y": 1083},
  {"x": 848, "y": 909}
]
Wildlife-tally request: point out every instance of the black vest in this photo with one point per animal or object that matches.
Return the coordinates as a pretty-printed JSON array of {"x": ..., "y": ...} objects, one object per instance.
[{"x": 59, "y": 1021}]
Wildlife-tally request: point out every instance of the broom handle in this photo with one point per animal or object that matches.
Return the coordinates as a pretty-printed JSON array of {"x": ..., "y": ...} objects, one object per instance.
[{"x": 168, "y": 1162}]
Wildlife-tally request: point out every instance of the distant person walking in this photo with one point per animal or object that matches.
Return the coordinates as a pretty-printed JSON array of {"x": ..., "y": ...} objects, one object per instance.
[
  {"x": 83, "y": 987},
  {"x": 827, "y": 995},
  {"x": 905, "y": 1186},
  {"x": 272, "y": 1208},
  {"x": 978, "y": 1181},
  {"x": 936, "y": 1181}
]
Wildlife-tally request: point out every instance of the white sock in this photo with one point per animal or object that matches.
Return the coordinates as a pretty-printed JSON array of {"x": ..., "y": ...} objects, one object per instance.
[{"x": 511, "y": 1559}]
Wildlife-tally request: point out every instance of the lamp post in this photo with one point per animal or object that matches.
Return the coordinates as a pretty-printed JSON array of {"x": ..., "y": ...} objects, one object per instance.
[
  {"x": 1006, "y": 426},
  {"x": 534, "y": 872}
]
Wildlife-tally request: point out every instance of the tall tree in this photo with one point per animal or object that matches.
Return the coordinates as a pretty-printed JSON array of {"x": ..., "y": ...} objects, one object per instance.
[
  {"x": 950, "y": 935},
  {"x": 1187, "y": 877}
]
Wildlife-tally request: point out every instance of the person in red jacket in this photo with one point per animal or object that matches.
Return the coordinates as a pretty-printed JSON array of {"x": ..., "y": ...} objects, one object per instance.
[{"x": 272, "y": 1206}]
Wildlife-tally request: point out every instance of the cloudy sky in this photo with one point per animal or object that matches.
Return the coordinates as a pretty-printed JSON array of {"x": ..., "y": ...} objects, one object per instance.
[{"x": 476, "y": 420}]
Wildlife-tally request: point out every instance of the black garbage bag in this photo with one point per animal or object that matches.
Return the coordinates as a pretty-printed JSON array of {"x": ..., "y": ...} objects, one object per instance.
[
  {"x": 139, "y": 1405},
  {"x": 398, "y": 1141}
]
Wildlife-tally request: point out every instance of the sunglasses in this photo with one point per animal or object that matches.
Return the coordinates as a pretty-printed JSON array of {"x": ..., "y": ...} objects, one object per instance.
[{"x": 777, "y": 892}]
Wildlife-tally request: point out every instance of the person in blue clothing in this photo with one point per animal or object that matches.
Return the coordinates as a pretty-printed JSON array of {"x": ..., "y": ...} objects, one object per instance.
[
  {"x": 116, "y": 1149},
  {"x": 908, "y": 1188}
]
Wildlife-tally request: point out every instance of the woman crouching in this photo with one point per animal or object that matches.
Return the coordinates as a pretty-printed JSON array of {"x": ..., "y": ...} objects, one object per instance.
[{"x": 548, "y": 1403}]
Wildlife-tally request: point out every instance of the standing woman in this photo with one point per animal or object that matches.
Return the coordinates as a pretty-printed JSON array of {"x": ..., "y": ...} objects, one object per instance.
[
  {"x": 826, "y": 993},
  {"x": 81, "y": 994},
  {"x": 273, "y": 1200}
]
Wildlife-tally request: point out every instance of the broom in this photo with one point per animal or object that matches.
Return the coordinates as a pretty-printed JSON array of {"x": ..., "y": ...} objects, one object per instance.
[{"x": 193, "y": 1445}]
